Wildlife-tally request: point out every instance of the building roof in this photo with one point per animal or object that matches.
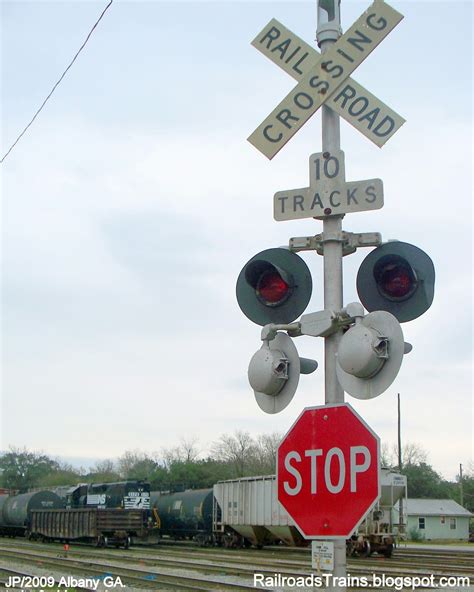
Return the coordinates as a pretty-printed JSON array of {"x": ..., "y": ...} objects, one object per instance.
[{"x": 435, "y": 507}]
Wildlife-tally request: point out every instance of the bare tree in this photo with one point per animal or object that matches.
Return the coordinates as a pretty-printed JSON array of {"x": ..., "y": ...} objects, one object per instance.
[
  {"x": 412, "y": 454},
  {"x": 237, "y": 449},
  {"x": 188, "y": 449},
  {"x": 266, "y": 452},
  {"x": 104, "y": 466},
  {"x": 134, "y": 464},
  {"x": 386, "y": 456},
  {"x": 469, "y": 472},
  {"x": 170, "y": 456}
]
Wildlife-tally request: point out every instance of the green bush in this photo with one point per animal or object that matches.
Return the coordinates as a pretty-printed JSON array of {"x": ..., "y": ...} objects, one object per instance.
[{"x": 415, "y": 535}]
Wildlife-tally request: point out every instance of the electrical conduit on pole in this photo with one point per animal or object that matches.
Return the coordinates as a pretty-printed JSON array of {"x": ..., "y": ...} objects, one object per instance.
[{"x": 328, "y": 31}]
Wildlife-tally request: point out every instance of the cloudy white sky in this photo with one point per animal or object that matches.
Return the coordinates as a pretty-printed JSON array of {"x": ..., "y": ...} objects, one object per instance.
[{"x": 134, "y": 200}]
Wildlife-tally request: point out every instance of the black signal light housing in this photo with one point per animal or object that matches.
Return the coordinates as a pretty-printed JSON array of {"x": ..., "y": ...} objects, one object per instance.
[
  {"x": 399, "y": 278},
  {"x": 275, "y": 286}
]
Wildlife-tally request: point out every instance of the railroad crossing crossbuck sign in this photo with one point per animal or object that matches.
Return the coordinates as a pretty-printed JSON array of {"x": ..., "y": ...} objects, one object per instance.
[
  {"x": 328, "y": 471},
  {"x": 325, "y": 79}
]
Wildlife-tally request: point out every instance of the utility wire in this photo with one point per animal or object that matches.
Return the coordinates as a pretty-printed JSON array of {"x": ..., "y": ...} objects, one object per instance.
[{"x": 58, "y": 82}]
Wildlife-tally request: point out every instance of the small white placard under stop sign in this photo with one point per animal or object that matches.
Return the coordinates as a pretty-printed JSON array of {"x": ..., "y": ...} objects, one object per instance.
[{"x": 322, "y": 555}]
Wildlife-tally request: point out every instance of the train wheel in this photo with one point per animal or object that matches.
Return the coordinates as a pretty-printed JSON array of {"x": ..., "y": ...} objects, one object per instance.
[
  {"x": 128, "y": 542},
  {"x": 365, "y": 550},
  {"x": 387, "y": 552},
  {"x": 350, "y": 549}
]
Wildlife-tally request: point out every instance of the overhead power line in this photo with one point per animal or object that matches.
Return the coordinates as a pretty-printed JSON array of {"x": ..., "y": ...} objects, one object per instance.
[{"x": 58, "y": 82}]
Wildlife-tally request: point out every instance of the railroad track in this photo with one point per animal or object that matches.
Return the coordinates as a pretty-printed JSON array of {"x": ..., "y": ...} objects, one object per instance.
[
  {"x": 7, "y": 573},
  {"x": 247, "y": 563},
  {"x": 192, "y": 547},
  {"x": 275, "y": 559},
  {"x": 148, "y": 579}
]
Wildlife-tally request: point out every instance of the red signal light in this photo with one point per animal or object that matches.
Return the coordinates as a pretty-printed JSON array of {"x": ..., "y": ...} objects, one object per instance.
[
  {"x": 395, "y": 278},
  {"x": 272, "y": 289}
]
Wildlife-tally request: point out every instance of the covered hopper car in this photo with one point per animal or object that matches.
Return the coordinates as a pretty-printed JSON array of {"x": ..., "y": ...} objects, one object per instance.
[{"x": 247, "y": 510}]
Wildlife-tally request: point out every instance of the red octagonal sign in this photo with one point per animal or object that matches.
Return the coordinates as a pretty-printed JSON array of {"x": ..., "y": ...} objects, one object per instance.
[{"x": 328, "y": 471}]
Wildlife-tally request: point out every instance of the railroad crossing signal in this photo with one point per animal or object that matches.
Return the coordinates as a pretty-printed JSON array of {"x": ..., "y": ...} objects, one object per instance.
[
  {"x": 324, "y": 78},
  {"x": 395, "y": 282},
  {"x": 328, "y": 463},
  {"x": 328, "y": 471}
]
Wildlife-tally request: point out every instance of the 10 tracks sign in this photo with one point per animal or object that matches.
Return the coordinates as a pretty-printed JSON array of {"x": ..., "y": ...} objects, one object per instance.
[{"x": 328, "y": 193}]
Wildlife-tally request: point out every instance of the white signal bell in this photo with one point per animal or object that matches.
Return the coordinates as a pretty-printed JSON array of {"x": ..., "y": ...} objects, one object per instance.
[
  {"x": 363, "y": 351},
  {"x": 268, "y": 371},
  {"x": 274, "y": 372},
  {"x": 370, "y": 354}
]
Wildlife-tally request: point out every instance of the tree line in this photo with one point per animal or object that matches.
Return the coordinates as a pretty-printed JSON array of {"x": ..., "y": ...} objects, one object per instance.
[
  {"x": 231, "y": 456},
  {"x": 182, "y": 466}
]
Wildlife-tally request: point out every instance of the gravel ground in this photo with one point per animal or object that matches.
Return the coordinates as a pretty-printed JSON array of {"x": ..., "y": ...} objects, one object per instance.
[{"x": 38, "y": 571}]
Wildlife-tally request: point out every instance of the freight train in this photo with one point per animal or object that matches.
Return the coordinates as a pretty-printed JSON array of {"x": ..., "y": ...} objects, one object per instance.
[
  {"x": 101, "y": 513},
  {"x": 244, "y": 512},
  {"x": 235, "y": 513}
]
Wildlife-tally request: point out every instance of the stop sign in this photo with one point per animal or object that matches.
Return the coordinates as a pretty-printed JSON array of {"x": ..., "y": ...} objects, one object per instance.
[{"x": 328, "y": 471}]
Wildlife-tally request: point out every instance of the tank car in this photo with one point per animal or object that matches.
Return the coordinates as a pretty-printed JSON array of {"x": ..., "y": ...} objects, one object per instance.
[
  {"x": 15, "y": 510},
  {"x": 185, "y": 514}
]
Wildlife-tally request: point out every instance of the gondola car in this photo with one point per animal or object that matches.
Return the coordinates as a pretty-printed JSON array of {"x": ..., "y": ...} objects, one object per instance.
[{"x": 101, "y": 526}]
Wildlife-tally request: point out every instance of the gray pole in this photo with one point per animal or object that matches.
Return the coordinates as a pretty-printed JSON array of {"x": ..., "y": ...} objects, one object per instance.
[
  {"x": 401, "y": 520},
  {"x": 328, "y": 31},
  {"x": 461, "y": 495}
]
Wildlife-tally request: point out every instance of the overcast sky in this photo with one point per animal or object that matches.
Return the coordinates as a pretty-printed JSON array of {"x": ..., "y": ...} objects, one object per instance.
[{"x": 133, "y": 201}]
